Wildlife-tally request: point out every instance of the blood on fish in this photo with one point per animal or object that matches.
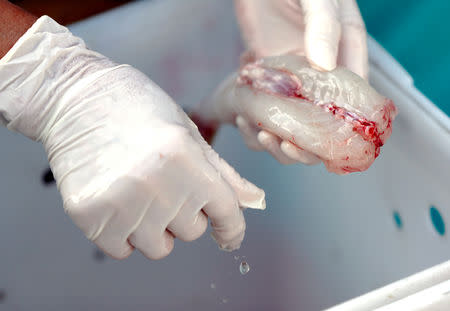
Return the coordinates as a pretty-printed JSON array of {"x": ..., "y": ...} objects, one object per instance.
[
  {"x": 349, "y": 169},
  {"x": 283, "y": 83},
  {"x": 272, "y": 81},
  {"x": 292, "y": 141},
  {"x": 367, "y": 129}
]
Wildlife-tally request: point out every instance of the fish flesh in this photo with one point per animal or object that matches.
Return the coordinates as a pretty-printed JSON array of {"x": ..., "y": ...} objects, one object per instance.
[{"x": 334, "y": 115}]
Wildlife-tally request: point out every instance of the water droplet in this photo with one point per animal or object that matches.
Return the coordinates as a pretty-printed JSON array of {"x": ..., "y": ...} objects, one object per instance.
[
  {"x": 224, "y": 300},
  {"x": 236, "y": 257},
  {"x": 213, "y": 286},
  {"x": 244, "y": 267}
]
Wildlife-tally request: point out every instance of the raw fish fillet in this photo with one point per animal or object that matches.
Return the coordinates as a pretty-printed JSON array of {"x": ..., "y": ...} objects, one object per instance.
[{"x": 335, "y": 115}]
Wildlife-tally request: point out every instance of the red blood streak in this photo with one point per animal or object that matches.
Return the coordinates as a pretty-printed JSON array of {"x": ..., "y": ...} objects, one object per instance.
[
  {"x": 349, "y": 169},
  {"x": 292, "y": 141},
  {"x": 366, "y": 129},
  {"x": 281, "y": 82}
]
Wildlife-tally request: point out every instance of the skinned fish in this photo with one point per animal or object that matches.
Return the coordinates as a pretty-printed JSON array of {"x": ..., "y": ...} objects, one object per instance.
[{"x": 334, "y": 115}]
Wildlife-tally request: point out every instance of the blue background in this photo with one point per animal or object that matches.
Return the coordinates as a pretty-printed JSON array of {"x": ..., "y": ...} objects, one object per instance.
[{"x": 417, "y": 34}]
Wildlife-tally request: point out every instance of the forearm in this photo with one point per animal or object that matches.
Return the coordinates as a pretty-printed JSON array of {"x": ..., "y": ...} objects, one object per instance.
[{"x": 14, "y": 22}]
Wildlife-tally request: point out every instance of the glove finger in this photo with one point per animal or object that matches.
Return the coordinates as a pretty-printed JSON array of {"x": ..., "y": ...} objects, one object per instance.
[
  {"x": 322, "y": 32},
  {"x": 190, "y": 222},
  {"x": 226, "y": 192},
  {"x": 353, "y": 45},
  {"x": 215, "y": 182},
  {"x": 249, "y": 134},
  {"x": 151, "y": 237},
  {"x": 109, "y": 217},
  {"x": 178, "y": 200},
  {"x": 117, "y": 249},
  {"x": 272, "y": 144},
  {"x": 227, "y": 219},
  {"x": 297, "y": 154},
  {"x": 270, "y": 27},
  {"x": 151, "y": 246},
  {"x": 248, "y": 194},
  {"x": 169, "y": 194}
]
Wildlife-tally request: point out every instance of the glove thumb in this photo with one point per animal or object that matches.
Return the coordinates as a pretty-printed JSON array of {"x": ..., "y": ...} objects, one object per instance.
[
  {"x": 249, "y": 195},
  {"x": 322, "y": 33}
]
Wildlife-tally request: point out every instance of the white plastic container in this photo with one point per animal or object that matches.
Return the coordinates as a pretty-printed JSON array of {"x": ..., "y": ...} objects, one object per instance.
[{"x": 323, "y": 239}]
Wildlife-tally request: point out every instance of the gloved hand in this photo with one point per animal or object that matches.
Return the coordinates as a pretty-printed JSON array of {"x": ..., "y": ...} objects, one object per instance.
[
  {"x": 132, "y": 169},
  {"x": 327, "y": 32}
]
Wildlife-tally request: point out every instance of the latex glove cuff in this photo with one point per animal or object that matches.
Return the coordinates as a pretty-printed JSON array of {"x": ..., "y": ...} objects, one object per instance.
[{"x": 45, "y": 68}]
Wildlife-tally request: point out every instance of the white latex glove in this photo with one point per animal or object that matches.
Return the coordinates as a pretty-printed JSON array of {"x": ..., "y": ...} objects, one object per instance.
[
  {"x": 132, "y": 169},
  {"x": 327, "y": 32}
]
